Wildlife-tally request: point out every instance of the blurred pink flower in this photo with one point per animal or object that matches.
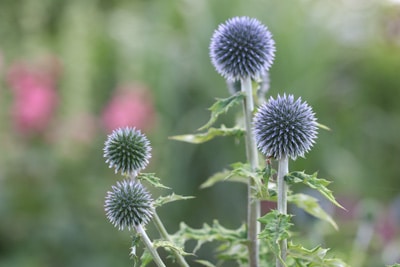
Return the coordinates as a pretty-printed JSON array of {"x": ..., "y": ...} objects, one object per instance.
[
  {"x": 35, "y": 97},
  {"x": 131, "y": 105}
]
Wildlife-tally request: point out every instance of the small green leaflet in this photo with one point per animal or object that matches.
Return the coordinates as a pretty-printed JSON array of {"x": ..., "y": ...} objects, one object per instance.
[
  {"x": 226, "y": 175},
  {"x": 169, "y": 245},
  {"x": 310, "y": 205},
  {"x": 209, "y": 135},
  {"x": 170, "y": 198},
  {"x": 222, "y": 105},
  {"x": 313, "y": 182},
  {"x": 315, "y": 257},
  {"x": 152, "y": 179}
]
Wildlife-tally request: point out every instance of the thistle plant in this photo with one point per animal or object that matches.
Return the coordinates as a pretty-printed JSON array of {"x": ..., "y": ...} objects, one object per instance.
[
  {"x": 242, "y": 51},
  {"x": 129, "y": 205},
  {"x": 284, "y": 128}
]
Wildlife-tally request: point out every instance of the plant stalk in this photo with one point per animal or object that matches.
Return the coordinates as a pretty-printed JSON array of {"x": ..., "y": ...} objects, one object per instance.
[
  {"x": 149, "y": 245},
  {"x": 283, "y": 169},
  {"x": 163, "y": 232},
  {"x": 253, "y": 204}
]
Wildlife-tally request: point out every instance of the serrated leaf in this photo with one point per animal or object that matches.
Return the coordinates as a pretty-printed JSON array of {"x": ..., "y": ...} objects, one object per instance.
[
  {"x": 169, "y": 245},
  {"x": 225, "y": 175},
  {"x": 313, "y": 182},
  {"x": 209, "y": 135},
  {"x": 315, "y": 257},
  {"x": 222, "y": 105},
  {"x": 170, "y": 198},
  {"x": 208, "y": 233},
  {"x": 311, "y": 206},
  {"x": 152, "y": 179},
  {"x": 276, "y": 225}
]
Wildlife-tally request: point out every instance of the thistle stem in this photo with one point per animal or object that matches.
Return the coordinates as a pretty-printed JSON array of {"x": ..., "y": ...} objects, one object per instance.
[
  {"x": 283, "y": 169},
  {"x": 163, "y": 232},
  {"x": 149, "y": 245},
  {"x": 253, "y": 205}
]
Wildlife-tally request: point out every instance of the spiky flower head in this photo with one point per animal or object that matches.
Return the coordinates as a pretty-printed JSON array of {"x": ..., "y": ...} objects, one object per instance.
[
  {"x": 284, "y": 127},
  {"x": 128, "y": 205},
  {"x": 127, "y": 150},
  {"x": 242, "y": 47}
]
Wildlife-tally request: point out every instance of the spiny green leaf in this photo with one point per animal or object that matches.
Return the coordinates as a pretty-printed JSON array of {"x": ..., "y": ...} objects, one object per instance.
[
  {"x": 208, "y": 233},
  {"x": 222, "y": 105},
  {"x": 225, "y": 175},
  {"x": 276, "y": 229},
  {"x": 170, "y": 198},
  {"x": 209, "y": 135},
  {"x": 315, "y": 257},
  {"x": 169, "y": 245},
  {"x": 152, "y": 179},
  {"x": 310, "y": 205},
  {"x": 313, "y": 182}
]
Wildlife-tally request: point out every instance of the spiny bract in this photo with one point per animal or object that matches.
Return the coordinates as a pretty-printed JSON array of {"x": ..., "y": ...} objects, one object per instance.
[
  {"x": 127, "y": 150},
  {"x": 128, "y": 205},
  {"x": 284, "y": 127}
]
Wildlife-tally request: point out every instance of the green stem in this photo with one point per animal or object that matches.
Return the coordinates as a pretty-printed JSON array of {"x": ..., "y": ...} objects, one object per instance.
[
  {"x": 149, "y": 245},
  {"x": 163, "y": 232},
  {"x": 253, "y": 205},
  {"x": 283, "y": 169}
]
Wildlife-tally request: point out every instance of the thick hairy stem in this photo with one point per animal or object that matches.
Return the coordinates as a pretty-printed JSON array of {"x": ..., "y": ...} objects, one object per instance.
[
  {"x": 163, "y": 232},
  {"x": 283, "y": 169},
  {"x": 149, "y": 245},
  {"x": 253, "y": 205}
]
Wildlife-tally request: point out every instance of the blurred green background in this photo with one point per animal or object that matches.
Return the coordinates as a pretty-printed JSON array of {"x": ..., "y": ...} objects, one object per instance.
[{"x": 71, "y": 71}]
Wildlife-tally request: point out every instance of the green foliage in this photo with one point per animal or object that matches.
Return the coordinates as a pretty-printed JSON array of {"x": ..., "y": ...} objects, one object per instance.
[
  {"x": 316, "y": 257},
  {"x": 228, "y": 239},
  {"x": 152, "y": 179},
  {"x": 170, "y": 198},
  {"x": 311, "y": 206},
  {"x": 221, "y": 106},
  {"x": 276, "y": 229},
  {"x": 313, "y": 182},
  {"x": 209, "y": 135}
]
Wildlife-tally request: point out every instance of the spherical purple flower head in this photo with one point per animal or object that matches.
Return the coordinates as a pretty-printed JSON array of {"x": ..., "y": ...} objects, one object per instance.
[
  {"x": 128, "y": 205},
  {"x": 127, "y": 150},
  {"x": 242, "y": 47},
  {"x": 284, "y": 127}
]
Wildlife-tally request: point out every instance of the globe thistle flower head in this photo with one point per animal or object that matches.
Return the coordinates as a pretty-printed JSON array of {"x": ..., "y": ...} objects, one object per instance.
[
  {"x": 127, "y": 150},
  {"x": 242, "y": 47},
  {"x": 128, "y": 205},
  {"x": 284, "y": 127}
]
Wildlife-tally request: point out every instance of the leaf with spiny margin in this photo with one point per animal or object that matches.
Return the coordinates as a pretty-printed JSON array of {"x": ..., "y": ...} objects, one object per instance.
[
  {"x": 225, "y": 175},
  {"x": 315, "y": 257},
  {"x": 170, "y": 198},
  {"x": 311, "y": 206},
  {"x": 276, "y": 229},
  {"x": 152, "y": 179},
  {"x": 208, "y": 233},
  {"x": 222, "y": 105},
  {"x": 209, "y": 135},
  {"x": 313, "y": 182},
  {"x": 169, "y": 245}
]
